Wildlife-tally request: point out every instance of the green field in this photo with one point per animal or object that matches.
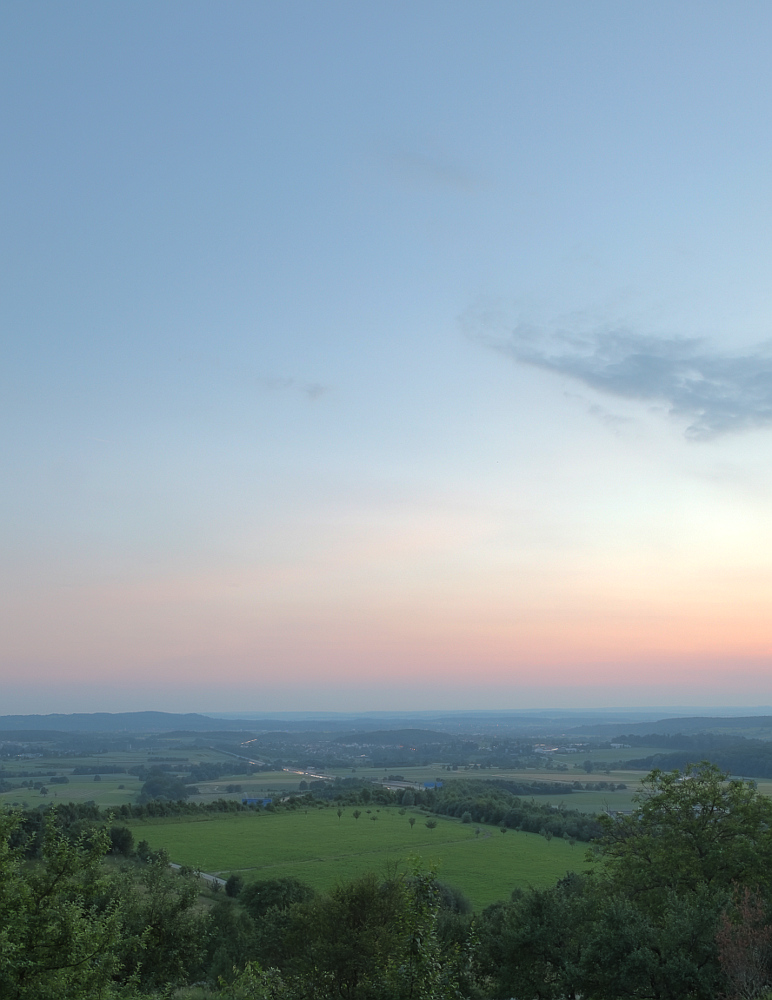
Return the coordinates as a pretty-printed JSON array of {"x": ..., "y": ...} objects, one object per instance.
[
  {"x": 107, "y": 792},
  {"x": 320, "y": 849},
  {"x": 315, "y": 846},
  {"x": 116, "y": 789}
]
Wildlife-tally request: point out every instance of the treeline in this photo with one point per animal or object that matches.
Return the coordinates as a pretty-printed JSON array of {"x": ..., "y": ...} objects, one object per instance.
[
  {"x": 489, "y": 802},
  {"x": 203, "y": 771},
  {"x": 555, "y": 787},
  {"x": 97, "y": 769},
  {"x": 29, "y": 783},
  {"x": 749, "y": 758},
  {"x": 686, "y": 741},
  {"x": 77, "y": 819}
]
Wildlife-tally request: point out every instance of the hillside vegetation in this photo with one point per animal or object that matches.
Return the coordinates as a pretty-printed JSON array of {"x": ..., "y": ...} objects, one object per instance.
[{"x": 676, "y": 906}]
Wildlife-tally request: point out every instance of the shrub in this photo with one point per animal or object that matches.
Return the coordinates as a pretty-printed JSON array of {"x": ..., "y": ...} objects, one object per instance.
[{"x": 233, "y": 885}]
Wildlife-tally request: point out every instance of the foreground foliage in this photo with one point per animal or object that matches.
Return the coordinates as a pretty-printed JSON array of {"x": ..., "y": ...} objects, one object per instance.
[
  {"x": 647, "y": 922},
  {"x": 677, "y": 906},
  {"x": 58, "y": 924}
]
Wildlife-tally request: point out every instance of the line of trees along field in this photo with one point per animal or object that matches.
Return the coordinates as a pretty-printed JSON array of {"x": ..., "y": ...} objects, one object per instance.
[
  {"x": 677, "y": 906},
  {"x": 738, "y": 755}
]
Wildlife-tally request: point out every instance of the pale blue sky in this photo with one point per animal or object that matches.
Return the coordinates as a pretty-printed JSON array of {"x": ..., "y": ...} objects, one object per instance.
[{"x": 347, "y": 347}]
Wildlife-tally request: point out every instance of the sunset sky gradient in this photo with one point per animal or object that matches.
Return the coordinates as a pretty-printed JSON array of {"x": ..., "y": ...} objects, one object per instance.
[{"x": 387, "y": 355}]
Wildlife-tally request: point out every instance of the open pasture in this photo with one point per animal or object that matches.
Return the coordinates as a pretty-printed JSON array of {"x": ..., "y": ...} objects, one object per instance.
[
  {"x": 268, "y": 784},
  {"x": 113, "y": 789},
  {"x": 316, "y": 847}
]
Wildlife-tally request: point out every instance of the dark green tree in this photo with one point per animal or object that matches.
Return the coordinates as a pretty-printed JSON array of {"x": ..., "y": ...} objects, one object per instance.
[
  {"x": 258, "y": 898},
  {"x": 688, "y": 830},
  {"x": 121, "y": 840},
  {"x": 59, "y": 918},
  {"x": 165, "y": 931},
  {"x": 233, "y": 885}
]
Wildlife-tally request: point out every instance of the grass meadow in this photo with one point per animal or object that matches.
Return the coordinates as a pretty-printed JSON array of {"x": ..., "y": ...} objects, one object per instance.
[
  {"x": 317, "y": 847},
  {"x": 320, "y": 849}
]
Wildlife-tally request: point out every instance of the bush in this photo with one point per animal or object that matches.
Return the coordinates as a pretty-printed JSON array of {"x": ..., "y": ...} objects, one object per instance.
[
  {"x": 466, "y": 818},
  {"x": 122, "y": 840},
  {"x": 234, "y": 885}
]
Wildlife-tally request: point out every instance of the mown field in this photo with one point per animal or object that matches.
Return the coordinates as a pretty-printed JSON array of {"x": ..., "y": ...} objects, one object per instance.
[
  {"x": 317, "y": 847},
  {"x": 115, "y": 789}
]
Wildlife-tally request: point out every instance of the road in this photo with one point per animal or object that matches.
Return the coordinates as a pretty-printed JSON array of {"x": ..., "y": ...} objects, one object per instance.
[{"x": 211, "y": 879}]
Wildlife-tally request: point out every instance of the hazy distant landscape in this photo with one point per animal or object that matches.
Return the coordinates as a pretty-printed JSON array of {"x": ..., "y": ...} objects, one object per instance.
[
  {"x": 244, "y": 828},
  {"x": 577, "y": 764}
]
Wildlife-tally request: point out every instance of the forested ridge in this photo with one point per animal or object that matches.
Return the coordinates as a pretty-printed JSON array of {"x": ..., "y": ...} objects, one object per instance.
[{"x": 677, "y": 905}]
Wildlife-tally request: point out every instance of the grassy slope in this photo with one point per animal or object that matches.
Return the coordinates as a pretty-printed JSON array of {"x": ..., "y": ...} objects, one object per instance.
[{"x": 320, "y": 849}]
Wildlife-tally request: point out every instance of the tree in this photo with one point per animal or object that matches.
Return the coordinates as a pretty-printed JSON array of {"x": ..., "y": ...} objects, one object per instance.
[
  {"x": 233, "y": 885},
  {"x": 121, "y": 840},
  {"x": 688, "y": 830},
  {"x": 231, "y": 943},
  {"x": 532, "y": 945},
  {"x": 431, "y": 824},
  {"x": 258, "y": 898},
  {"x": 161, "y": 785},
  {"x": 59, "y": 920},
  {"x": 356, "y": 814},
  {"x": 363, "y": 940},
  {"x": 165, "y": 930},
  {"x": 340, "y": 813},
  {"x": 411, "y": 821}
]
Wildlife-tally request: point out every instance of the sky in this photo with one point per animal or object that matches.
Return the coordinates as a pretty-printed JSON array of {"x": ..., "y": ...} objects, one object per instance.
[{"x": 398, "y": 355}]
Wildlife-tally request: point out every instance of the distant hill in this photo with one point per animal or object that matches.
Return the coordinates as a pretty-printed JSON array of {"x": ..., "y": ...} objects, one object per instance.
[
  {"x": 120, "y": 722},
  {"x": 752, "y": 726},
  {"x": 385, "y": 730}
]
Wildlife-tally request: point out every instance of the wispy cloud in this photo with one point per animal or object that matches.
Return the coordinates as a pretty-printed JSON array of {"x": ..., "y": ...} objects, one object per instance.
[
  {"x": 717, "y": 393},
  {"x": 313, "y": 390},
  {"x": 418, "y": 168}
]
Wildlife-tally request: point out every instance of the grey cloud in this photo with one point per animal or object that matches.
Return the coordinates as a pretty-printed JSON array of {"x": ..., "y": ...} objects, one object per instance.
[
  {"x": 427, "y": 166},
  {"x": 312, "y": 390},
  {"x": 612, "y": 420},
  {"x": 717, "y": 393},
  {"x": 425, "y": 169}
]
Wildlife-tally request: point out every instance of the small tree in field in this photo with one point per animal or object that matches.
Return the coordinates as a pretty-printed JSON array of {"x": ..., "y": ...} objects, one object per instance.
[
  {"x": 411, "y": 821},
  {"x": 340, "y": 813},
  {"x": 234, "y": 885},
  {"x": 356, "y": 814},
  {"x": 431, "y": 824}
]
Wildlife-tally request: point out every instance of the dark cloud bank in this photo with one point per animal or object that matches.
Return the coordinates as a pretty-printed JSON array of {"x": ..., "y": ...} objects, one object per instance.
[{"x": 717, "y": 393}]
